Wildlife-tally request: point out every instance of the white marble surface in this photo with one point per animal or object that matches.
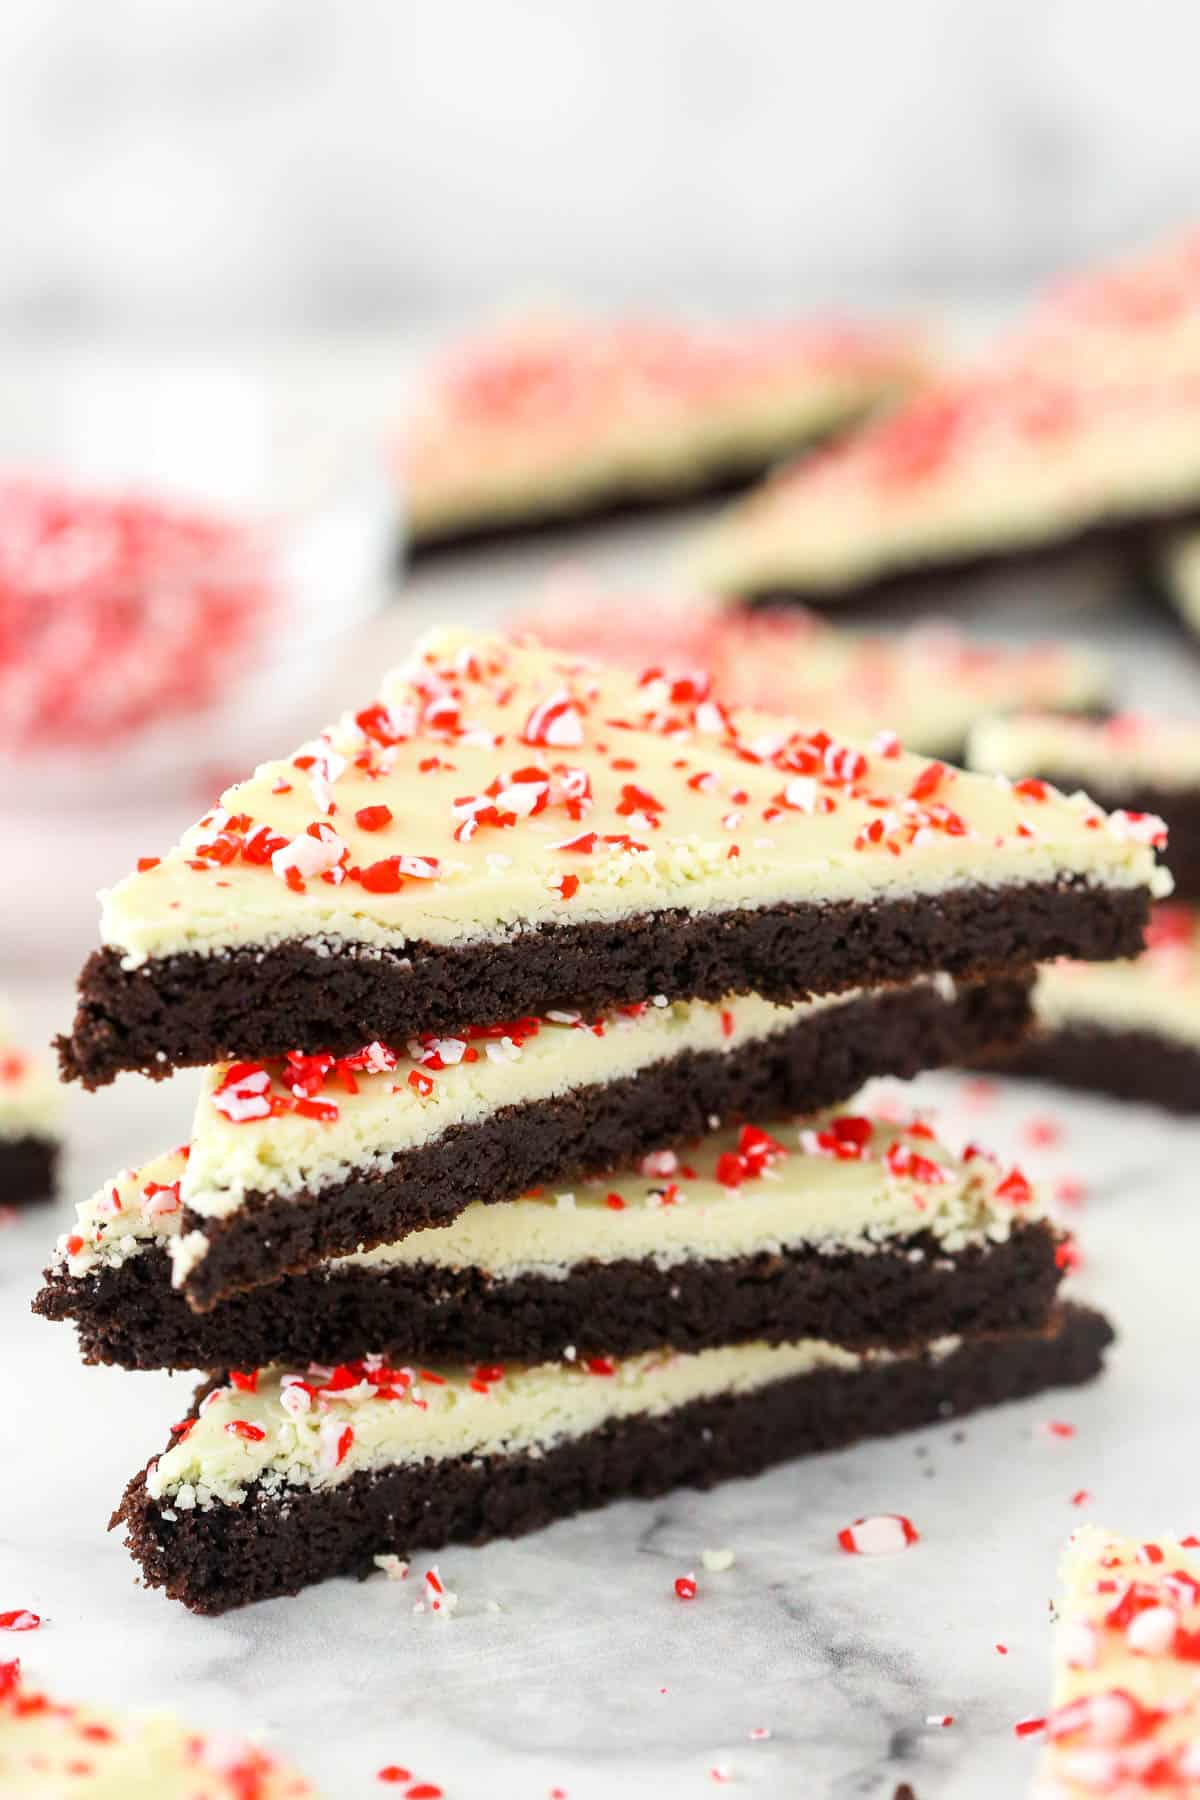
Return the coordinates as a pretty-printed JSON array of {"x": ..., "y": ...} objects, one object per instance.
[{"x": 592, "y": 1675}]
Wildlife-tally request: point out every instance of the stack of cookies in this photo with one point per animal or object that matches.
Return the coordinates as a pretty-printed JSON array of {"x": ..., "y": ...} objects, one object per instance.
[{"x": 527, "y": 1171}]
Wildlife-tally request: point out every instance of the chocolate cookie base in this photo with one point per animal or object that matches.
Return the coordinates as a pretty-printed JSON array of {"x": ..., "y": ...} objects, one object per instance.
[
  {"x": 623, "y": 504},
  {"x": 1128, "y": 1065},
  {"x": 28, "y": 1170},
  {"x": 890, "y": 1296},
  {"x": 228, "y": 1556},
  {"x": 947, "y": 582},
  {"x": 823, "y": 1059},
  {"x": 187, "y": 1010}
]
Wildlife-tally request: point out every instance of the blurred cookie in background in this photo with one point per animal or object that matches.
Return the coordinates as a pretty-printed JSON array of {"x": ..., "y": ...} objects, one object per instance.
[
  {"x": 1129, "y": 1029},
  {"x": 1129, "y": 762},
  {"x": 30, "y": 1114},
  {"x": 1006, "y": 469},
  {"x": 928, "y": 684},
  {"x": 50, "y": 1748},
  {"x": 557, "y": 418}
]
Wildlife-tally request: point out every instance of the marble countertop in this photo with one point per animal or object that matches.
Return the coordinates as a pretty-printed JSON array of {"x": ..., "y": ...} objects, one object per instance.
[{"x": 570, "y": 1667}]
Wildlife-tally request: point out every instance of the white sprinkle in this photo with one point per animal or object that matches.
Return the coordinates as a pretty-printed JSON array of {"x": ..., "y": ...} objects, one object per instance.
[
  {"x": 394, "y": 1567},
  {"x": 716, "y": 1561}
]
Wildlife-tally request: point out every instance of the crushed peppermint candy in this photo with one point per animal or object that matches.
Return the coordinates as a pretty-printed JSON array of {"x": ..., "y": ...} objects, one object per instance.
[
  {"x": 717, "y": 1561},
  {"x": 879, "y": 1534}
]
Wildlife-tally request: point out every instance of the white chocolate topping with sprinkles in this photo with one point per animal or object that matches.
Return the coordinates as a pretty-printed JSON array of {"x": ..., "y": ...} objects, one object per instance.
[
  {"x": 498, "y": 787},
  {"x": 1115, "y": 753},
  {"x": 30, "y": 1098},
  {"x": 1126, "y": 1714},
  {"x": 52, "y": 1750},
  {"x": 547, "y": 413},
  {"x": 928, "y": 683},
  {"x": 343, "y": 1118},
  {"x": 1158, "y": 992},
  {"x": 316, "y": 1428},
  {"x": 841, "y": 1182},
  {"x": 1001, "y": 458}
]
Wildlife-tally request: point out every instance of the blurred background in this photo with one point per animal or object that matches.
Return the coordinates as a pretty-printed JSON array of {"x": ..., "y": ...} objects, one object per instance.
[{"x": 258, "y": 166}]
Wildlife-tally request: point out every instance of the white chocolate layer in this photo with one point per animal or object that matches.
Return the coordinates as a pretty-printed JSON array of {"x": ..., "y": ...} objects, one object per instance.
[
  {"x": 455, "y": 1414},
  {"x": 50, "y": 1750},
  {"x": 1158, "y": 992},
  {"x": 622, "y": 800},
  {"x": 1126, "y": 1716},
  {"x": 674, "y": 1208},
  {"x": 550, "y": 414},
  {"x": 1113, "y": 753},
  {"x": 997, "y": 461}
]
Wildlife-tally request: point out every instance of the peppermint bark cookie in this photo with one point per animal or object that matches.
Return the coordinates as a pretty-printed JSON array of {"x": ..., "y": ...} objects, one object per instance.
[
  {"x": 286, "y": 1477},
  {"x": 1129, "y": 1029},
  {"x": 30, "y": 1111},
  {"x": 929, "y": 683},
  {"x": 51, "y": 1749},
  {"x": 1014, "y": 466},
  {"x": 1175, "y": 577},
  {"x": 1126, "y": 1713},
  {"x": 559, "y": 420},
  {"x": 508, "y": 831},
  {"x": 1131, "y": 760},
  {"x": 293, "y": 1162},
  {"x": 847, "y": 1229}
]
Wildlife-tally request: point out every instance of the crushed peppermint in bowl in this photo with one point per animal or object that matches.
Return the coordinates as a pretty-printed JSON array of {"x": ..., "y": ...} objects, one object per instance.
[{"x": 138, "y": 631}]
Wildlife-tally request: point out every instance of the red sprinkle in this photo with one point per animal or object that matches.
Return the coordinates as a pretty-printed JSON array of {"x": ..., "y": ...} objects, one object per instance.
[
  {"x": 242, "y": 1428},
  {"x": 685, "y": 1587},
  {"x": 1042, "y": 1132},
  {"x": 373, "y": 818},
  {"x": 928, "y": 781},
  {"x": 1015, "y": 1189},
  {"x": 382, "y": 877},
  {"x": 20, "y": 1619},
  {"x": 394, "y": 1772},
  {"x": 1029, "y": 1727}
]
